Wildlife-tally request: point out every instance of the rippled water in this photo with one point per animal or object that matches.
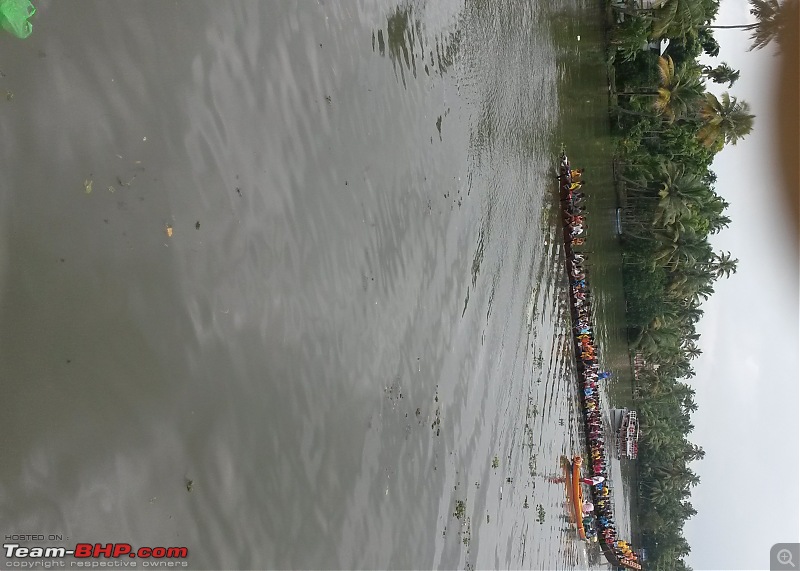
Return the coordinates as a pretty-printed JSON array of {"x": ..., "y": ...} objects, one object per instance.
[{"x": 359, "y": 313}]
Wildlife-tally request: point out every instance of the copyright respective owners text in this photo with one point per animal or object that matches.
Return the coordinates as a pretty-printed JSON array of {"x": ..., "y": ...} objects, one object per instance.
[{"x": 54, "y": 551}]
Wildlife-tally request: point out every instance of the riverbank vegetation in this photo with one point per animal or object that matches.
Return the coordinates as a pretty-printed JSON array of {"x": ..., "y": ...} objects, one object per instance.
[{"x": 669, "y": 127}]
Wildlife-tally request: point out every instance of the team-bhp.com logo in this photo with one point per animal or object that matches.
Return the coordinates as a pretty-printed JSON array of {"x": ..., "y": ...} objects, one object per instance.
[{"x": 87, "y": 555}]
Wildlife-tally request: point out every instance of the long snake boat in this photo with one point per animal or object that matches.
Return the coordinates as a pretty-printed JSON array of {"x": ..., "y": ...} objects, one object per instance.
[{"x": 617, "y": 552}]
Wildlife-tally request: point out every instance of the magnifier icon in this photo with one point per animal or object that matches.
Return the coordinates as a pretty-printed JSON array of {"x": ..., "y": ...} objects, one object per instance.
[{"x": 784, "y": 557}]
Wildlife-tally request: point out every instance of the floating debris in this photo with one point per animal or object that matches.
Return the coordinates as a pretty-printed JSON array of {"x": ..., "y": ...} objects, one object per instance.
[
  {"x": 189, "y": 485},
  {"x": 467, "y": 532},
  {"x": 461, "y": 510}
]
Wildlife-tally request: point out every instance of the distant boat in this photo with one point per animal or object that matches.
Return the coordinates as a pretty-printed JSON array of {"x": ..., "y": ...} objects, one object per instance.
[{"x": 628, "y": 435}]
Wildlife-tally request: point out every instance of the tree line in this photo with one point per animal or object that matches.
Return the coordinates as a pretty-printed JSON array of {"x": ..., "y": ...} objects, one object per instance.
[{"x": 669, "y": 128}]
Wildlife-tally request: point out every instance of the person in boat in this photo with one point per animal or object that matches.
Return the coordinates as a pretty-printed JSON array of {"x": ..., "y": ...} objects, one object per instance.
[
  {"x": 578, "y": 241},
  {"x": 576, "y": 196},
  {"x": 574, "y": 209},
  {"x": 572, "y": 174},
  {"x": 574, "y": 220},
  {"x": 603, "y": 375},
  {"x": 576, "y": 185}
]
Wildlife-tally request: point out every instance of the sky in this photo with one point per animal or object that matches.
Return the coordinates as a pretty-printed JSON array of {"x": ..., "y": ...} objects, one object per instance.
[{"x": 747, "y": 378}]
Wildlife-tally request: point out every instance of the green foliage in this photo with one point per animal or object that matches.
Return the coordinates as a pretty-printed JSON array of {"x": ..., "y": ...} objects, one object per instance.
[
  {"x": 668, "y": 130},
  {"x": 631, "y": 37},
  {"x": 772, "y": 17},
  {"x": 725, "y": 119},
  {"x": 723, "y": 73}
]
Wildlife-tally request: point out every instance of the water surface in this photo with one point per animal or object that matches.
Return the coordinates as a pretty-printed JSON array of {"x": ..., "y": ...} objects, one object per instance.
[{"x": 359, "y": 318}]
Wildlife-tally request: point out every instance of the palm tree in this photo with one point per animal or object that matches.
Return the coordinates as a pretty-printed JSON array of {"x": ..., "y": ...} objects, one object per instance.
[
  {"x": 717, "y": 223},
  {"x": 693, "y": 452},
  {"x": 655, "y": 342},
  {"x": 771, "y": 19},
  {"x": 679, "y": 190},
  {"x": 676, "y": 93},
  {"x": 692, "y": 351},
  {"x": 725, "y": 119},
  {"x": 721, "y": 74},
  {"x": 660, "y": 492},
  {"x": 685, "y": 251},
  {"x": 631, "y": 36},
  {"x": 723, "y": 264},
  {"x": 678, "y": 89},
  {"x": 677, "y": 18}
]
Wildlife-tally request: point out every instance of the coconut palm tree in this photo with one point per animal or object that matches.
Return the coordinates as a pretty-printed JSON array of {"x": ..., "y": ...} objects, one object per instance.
[
  {"x": 676, "y": 93},
  {"x": 679, "y": 191},
  {"x": 677, "y": 18},
  {"x": 654, "y": 342},
  {"x": 692, "y": 351},
  {"x": 724, "y": 120},
  {"x": 771, "y": 20},
  {"x": 686, "y": 251},
  {"x": 721, "y": 74},
  {"x": 660, "y": 492},
  {"x": 723, "y": 264},
  {"x": 693, "y": 452},
  {"x": 717, "y": 222},
  {"x": 632, "y": 36},
  {"x": 678, "y": 89}
]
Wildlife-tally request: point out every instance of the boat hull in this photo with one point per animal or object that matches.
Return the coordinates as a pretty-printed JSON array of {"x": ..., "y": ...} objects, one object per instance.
[{"x": 577, "y": 495}]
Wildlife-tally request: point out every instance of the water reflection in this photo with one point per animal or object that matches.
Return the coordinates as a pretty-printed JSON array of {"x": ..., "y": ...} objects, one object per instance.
[
  {"x": 407, "y": 45},
  {"x": 368, "y": 315}
]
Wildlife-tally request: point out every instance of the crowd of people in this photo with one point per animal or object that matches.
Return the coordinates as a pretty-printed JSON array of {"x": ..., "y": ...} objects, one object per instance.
[{"x": 599, "y": 518}]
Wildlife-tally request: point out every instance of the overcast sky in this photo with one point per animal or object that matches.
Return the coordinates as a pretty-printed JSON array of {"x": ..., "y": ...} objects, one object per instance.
[{"x": 747, "y": 379}]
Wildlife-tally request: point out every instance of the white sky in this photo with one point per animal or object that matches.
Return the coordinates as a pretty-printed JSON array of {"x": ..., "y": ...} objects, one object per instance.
[{"x": 747, "y": 379}]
